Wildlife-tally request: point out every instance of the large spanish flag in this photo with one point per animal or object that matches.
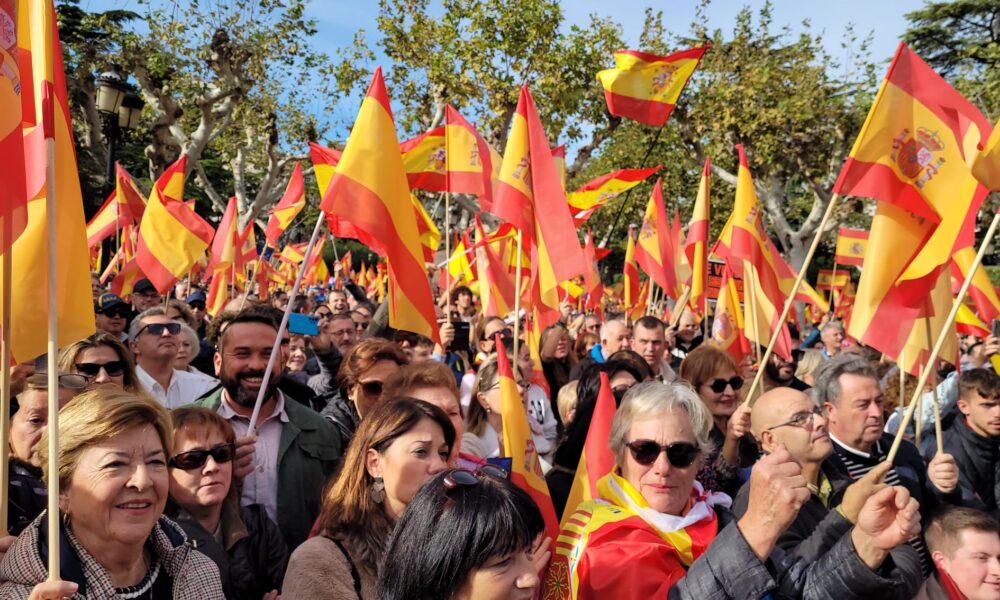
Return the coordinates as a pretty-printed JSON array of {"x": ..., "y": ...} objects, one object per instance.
[
  {"x": 696, "y": 245},
  {"x": 325, "y": 165},
  {"x": 645, "y": 87},
  {"x": 172, "y": 237},
  {"x": 424, "y": 160},
  {"x": 986, "y": 167},
  {"x": 851, "y": 246},
  {"x": 655, "y": 249},
  {"x": 530, "y": 196},
  {"x": 596, "y": 460},
  {"x": 45, "y": 118},
  {"x": 468, "y": 160},
  {"x": 290, "y": 205},
  {"x": 924, "y": 331},
  {"x": 370, "y": 187},
  {"x": 630, "y": 276},
  {"x": 13, "y": 193},
  {"x": 526, "y": 470},
  {"x": 496, "y": 286}
]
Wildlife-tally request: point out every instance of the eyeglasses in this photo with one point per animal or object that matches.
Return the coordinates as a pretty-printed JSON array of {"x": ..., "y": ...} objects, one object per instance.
[
  {"x": 158, "y": 328},
  {"x": 113, "y": 368},
  {"x": 69, "y": 381},
  {"x": 804, "y": 420},
  {"x": 115, "y": 313},
  {"x": 197, "y": 305},
  {"x": 719, "y": 385},
  {"x": 372, "y": 388},
  {"x": 195, "y": 459},
  {"x": 679, "y": 454},
  {"x": 465, "y": 478},
  {"x": 344, "y": 332},
  {"x": 323, "y": 315},
  {"x": 147, "y": 295}
]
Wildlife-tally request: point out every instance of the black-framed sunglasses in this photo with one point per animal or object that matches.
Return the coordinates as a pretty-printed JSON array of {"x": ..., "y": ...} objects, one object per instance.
[
  {"x": 679, "y": 454},
  {"x": 804, "y": 420},
  {"x": 465, "y": 478},
  {"x": 719, "y": 385},
  {"x": 195, "y": 459},
  {"x": 113, "y": 368},
  {"x": 157, "y": 329},
  {"x": 112, "y": 313},
  {"x": 197, "y": 305}
]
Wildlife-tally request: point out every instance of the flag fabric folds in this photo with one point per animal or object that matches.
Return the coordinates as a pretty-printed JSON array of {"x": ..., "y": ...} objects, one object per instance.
[
  {"x": 728, "y": 326},
  {"x": 496, "y": 285},
  {"x": 630, "y": 279},
  {"x": 290, "y": 205},
  {"x": 851, "y": 246},
  {"x": 828, "y": 280},
  {"x": 468, "y": 161},
  {"x": 696, "y": 245},
  {"x": 596, "y": 460},
  {"x": 655, "y": 249},
  {"x": 645, "y": 87},
  {"x": 601, "y": 190},
  {"x": 370, "y": 188},
  {"x": 44, "y": 118},
  {"x": 982, "y": 292},
  {"x": 425, "y": 161},
  {"x": 986, "y": 167},
  {"x": 13, "y": 193},
  {"x": 172, "y": 237}
]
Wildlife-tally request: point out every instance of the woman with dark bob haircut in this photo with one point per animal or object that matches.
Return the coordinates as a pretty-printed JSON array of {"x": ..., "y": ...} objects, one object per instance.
[{"x": 465, "y": 535}]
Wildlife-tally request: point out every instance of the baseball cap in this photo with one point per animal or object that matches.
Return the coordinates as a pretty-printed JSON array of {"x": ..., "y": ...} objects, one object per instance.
[
  {"x": 143, "y": 285},
  {"x": 108, "y": 301},
  {"x": 195, "y": 296}
]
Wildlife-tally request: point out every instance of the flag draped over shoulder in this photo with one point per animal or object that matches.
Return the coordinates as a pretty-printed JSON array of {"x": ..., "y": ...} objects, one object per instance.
[
  {"x": 290, "y": 205},
  {"x": 912, "y": 155},
  {"x": 851, "y": 246},
  {"x": 526, "y": 470},
  {"x": 44, "y": 117},
  {"x": 369, "y": 187},
  {"x": 696, "y": 245},
  {"x": 172, "y": 237},
  {"x": 596, "y": 460},
  {"x": 655, "y": 249},
  {"x": 645, "y": 87},
  {"x": 13, "y": 193},
  {"x": 530, "y": 196}
]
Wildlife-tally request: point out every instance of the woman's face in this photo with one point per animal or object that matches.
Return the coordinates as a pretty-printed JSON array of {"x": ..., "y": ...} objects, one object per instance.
[
  {"x": 562, "y": 346},
  {"x": 367, "y": 392},
  {"x": 408, "y": 463},
  {"x": 665, "y": 488},
  {"x": 524, "y": 360},
  {"x": 118, "y": 489},
  {"x": 208, "y": 484},
  {"x": 442, "y": 398},
  {"x": 186, "y": 351},
  {"x": 721, "y": 404},
  {"x": 507, "y": 577},
  {"x": 29, "y": 422},
  {"x": 108, "y": 359},
  {"x": 296, "y": 354}
]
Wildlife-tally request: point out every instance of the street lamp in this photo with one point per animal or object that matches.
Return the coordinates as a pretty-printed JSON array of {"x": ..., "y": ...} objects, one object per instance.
[{"x": 120, "y": 108}]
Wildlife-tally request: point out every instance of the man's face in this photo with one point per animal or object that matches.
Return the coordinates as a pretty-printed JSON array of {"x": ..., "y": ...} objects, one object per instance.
[
  {"x": 591, "y": 324},
  {"x": 198, "y": 310},
  {"x": 360, "y": 322},
  {"x": 651, "y": 344},
  {"x": 856, "y": 417},
  {"x": 804, "y": 433},
  {"x": 982, "y": 413},
  {"x": 146, "y": 299},
  {"x": 156, "y": 347},
  {"x": 464, "y": 300},
  {"x": 338, "y": 301},
  {"x": 112, "y": 319},
  {"x": 96, "y": 288},
  {"x": 780, "y": 370},
  {"x": 975, "y": 564},
  {"x": 687, "y": 327},
  {"x": 343, "y": 332},
  {"x": 279, "y": 300},
  {"x": 419, "y": 354},
  {"x": 617, "y": 338},
  {"x": 242, "y": 359},
  {"x": 832, "y": 338}
]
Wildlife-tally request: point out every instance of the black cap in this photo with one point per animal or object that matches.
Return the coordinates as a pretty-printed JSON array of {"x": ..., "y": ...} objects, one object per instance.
[
  {"x": 143, "y": 285},
  {"x": 108, "y": 301}
]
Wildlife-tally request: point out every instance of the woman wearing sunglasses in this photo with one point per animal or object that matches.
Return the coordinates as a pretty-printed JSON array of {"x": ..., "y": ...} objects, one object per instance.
[
  {"x": 101, "y": 358},
  {"x": 243, "y": 542},
  {"x": 713, "y": 374},
  {"x": 400, "y": 445},
  {"x": 468, "y": 535}
]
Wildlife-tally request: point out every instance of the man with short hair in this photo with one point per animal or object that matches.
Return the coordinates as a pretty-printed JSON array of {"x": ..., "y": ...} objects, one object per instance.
[
  {"x": 287, "y": 460},
  {"x": 153, "y": 341},
  {"x": 688, "y": 335},
  {"x": 965, "y": 546},
  {"x": 338, "y": 301},
  {"x": 336, "y": 338},
  {"x": 848, "y": 387},
  {"x": 649, "y": 341},
  {"x": 111, "y": 315},
  {"x": 144, "y": 296},
  {"x": 779, "y": 372},
  {"x": 591, "y": 324},
  {"x": 615, "y": 336},
  {"x": 832, "y": 335}
]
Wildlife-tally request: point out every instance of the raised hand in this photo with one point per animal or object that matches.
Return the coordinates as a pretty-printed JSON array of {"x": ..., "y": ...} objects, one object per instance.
[
  {"x": 739, "y": 423},
  {"x": 777, "y": 492},
  {"x": 887, "y": 519},
  {"x": 943, "y": 472},
  {"x": 858, "y": 492}
]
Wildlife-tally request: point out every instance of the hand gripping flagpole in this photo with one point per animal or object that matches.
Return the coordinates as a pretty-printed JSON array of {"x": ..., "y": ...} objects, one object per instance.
[
  {"x": 791, "y": 296},
  {"x": 945, "y": 332},
  {"x": 276, "y": 348}
]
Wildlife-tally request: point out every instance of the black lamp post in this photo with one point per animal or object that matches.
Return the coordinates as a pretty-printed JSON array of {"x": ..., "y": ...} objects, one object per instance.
[{"x": 120, "y": 108}]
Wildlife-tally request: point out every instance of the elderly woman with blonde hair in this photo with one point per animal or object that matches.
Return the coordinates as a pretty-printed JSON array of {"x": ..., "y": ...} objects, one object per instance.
[{"x": 113, "y": 484}]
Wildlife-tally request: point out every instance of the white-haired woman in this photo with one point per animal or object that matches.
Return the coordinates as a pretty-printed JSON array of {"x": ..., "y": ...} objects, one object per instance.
[{"x": 653, "y": 531}]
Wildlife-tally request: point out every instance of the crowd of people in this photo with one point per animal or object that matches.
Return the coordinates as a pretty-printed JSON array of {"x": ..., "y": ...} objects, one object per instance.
[{"x": 377, "y": 466}]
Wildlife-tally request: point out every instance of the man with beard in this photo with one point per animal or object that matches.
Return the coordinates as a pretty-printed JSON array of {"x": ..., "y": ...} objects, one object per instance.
[
  {"x": 779, "y": 372},
  {"x": 847, "y": 386},
  {"x": 153, "y": 341},
  {"x": 286, "y": 461}
]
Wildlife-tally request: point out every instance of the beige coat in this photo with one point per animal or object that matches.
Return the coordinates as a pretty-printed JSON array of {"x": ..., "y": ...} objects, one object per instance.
[{"x": 318, "y": 570}]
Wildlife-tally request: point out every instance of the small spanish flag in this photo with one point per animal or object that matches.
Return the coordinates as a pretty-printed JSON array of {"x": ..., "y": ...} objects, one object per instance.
[
  {"x": 851, "y": 246},
  {"x": 645, "y": 87}
]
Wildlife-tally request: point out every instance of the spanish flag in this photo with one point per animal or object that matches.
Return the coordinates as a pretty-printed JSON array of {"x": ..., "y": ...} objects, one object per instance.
[
  {"x": 44, "y": 118},
  {"x": 851, "y": 246},
  {"x": 530, "y": 196},
  {"x": 967, "y": 323},
  {"x": 630, "y": 277},
  {"x": 592, "y": 276},
  {"x": 370, "y": 188},
  {"x": 13, "y": 192},
  {"x": 430, "y": 235},
  {"x": 496, "y": 286},
  {"x": 825, "y": 280},
  {"x": 728, "y": 327},
  {"x": 986, "y": 168},
  {"x": 596, "y": 460},
  {"x": 526, "y": 470},
  {"x": 124, "y": 206},
  {"x": 172, "y": 237},
  {"x": 601, "y": 190},
  {"x": 982, "y": 293},
  {"x": 645, "y": 87},
  {"x": 290, "y": 205},
  {"x": 925, "y": 330},
  {"x": 696, "y": 245},
  {"x": 424, "y": 160},
  {"x": 656, "y": 247},
  {"x": 325, "y": 165},
  {"x": 468, "y": 160},
  {"x": 222, "y": 260}
]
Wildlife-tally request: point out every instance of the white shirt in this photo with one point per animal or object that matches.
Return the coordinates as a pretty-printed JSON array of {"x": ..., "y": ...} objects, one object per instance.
[
  {"x": 183, "y": 389},
  {"x": 260, "y": 486},
  {"x": 666, "y": 374}
]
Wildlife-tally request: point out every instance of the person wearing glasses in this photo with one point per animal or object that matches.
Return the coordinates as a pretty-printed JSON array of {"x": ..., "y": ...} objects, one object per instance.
[
  {"x": 712, "y": 373},
  {"x": 788, "y": 418},
  {"x": 336, "y": 338},
  {"x": 483, "y": 424},
  {"x": 101, "y": 359},
  {"x": 111, "y": 315},
  {"x": 242, "y": 541},
  {"x": 653, "y": 531},
  {"x": 154, "y": 340},
  {"x": 399, "y": 446},
  {"x": 113, "y": 448},
  {"x": 467, "y": 535}
]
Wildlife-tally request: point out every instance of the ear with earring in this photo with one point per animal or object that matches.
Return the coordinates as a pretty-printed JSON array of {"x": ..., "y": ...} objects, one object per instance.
[{"x": 378, "y": 490}]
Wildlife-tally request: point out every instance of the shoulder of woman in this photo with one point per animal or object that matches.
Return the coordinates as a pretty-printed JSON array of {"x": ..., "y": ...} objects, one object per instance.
[
  {"x": 318, "y": 550},
  {"x": 318, "y": 564},
  {"x": 197, "y": 578}
]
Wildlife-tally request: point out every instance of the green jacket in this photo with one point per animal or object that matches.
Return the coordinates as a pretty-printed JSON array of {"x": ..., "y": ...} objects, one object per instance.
[{"x": 309, "y": 452}]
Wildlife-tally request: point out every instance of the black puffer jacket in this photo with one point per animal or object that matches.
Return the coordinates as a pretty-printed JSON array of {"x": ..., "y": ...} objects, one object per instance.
[
  {"x": 253, "y": 557},
  {"x": 978, "y": 460}
]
